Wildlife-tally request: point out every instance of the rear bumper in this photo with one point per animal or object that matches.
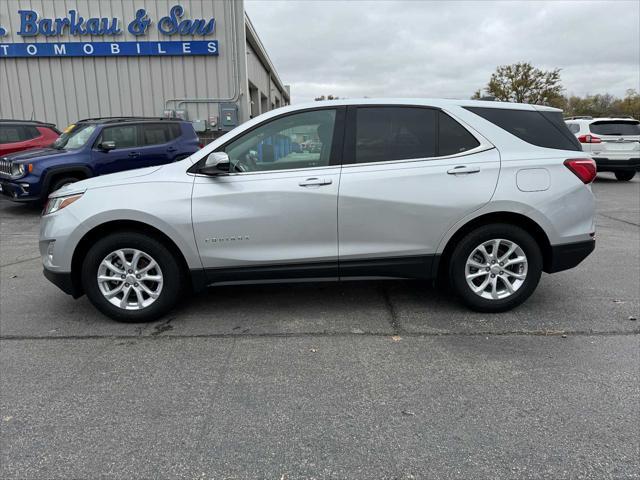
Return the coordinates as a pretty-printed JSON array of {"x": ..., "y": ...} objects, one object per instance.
[
  {"x": 64, "y": 281},
  {"x": 569, "y": 255},
  {"x": 614, "y": 165}
]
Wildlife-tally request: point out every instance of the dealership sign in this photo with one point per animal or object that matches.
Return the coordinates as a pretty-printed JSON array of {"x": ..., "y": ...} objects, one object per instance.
[
  {"x": 33, "y": 26},
  {"x": 108, "y": 49}
]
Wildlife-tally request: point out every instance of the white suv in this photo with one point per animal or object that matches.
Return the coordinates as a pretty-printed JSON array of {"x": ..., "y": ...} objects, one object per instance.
[
  {"x": 614, "y": 143},
  {"x": 487, "y": 194}
]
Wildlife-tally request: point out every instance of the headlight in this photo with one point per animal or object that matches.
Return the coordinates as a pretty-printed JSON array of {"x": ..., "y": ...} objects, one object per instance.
[
  {"x": 17, "y": 170},
  {"x": 58, "y": 203}
]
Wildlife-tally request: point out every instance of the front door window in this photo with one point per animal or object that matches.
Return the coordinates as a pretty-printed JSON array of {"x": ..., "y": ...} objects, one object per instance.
[{"x": 301, "y": 140}]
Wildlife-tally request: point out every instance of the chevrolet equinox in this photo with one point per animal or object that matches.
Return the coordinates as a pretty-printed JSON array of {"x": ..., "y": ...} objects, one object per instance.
[{"x": 486, "y": 194}]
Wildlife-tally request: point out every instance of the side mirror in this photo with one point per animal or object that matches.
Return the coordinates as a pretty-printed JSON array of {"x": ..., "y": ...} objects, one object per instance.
[
  {"x": 107, "y": 146},
  {"x": 216, "y": 163}
]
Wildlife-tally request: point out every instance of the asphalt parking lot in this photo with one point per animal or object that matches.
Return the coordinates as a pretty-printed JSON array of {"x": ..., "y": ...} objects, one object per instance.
[{"x": 353, "y": 380}]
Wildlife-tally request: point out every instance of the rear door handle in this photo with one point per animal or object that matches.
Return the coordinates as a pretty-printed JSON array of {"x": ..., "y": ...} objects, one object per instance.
[
  {"x": 315, "y": 182},
  {"x": 463, "y": 170},
  {"x": 171, "y": 149}
]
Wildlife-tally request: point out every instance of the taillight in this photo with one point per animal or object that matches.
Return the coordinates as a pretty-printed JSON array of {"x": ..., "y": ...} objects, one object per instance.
[
  {"x": 201, "y": 145},
  {"x": 588, "y": 138},
  {"x": 583, "y": 168}
]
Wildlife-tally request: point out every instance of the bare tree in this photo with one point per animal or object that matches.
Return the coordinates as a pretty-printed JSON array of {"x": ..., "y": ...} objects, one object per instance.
[{"x": 523, "y": 83}]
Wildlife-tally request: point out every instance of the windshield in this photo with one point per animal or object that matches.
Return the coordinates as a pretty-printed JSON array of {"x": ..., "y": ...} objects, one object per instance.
[
  {"x": 616, "y": 128},
  {"x": 76, "y": 138}
]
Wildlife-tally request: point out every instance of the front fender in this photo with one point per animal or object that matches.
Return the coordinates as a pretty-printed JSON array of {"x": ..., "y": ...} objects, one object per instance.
[
  {"x": 49, "y": 172},
  {"x": 168, "y": 212}
]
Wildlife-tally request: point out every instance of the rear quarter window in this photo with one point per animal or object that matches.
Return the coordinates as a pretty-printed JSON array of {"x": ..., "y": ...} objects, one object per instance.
[
  {"x": 175, "y": 130},
  {"x": 30, "y": 132},
  {"x": 573, "y": 127},
  {"x": 543, "y": 129},
  {"x": 453, "y": 138},
  {"x": 156, "y": 133}
]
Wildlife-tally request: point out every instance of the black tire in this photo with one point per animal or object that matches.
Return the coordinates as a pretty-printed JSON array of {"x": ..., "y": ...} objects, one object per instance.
[
  {"x": 173, "y": 276},
  {"x": 61, "y": 182},
  {"x": 467, "y": 245},
  {"x": 625, "y": 175}
]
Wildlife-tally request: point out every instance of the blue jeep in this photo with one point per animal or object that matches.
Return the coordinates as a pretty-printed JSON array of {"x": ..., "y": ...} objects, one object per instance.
[{"x": 92, "y": 147}]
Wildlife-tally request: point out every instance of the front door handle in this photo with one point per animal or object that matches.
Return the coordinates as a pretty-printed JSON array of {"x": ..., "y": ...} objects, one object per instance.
[
  {"x": 134, "y": 155},
  {"x": 171, "y": 149},
  {"x": 315, "y": 182},
  {"x": 463, "y": 170}
]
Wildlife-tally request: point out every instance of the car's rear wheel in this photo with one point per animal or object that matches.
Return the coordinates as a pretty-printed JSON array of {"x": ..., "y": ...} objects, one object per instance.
[
  {"x": 495, "y": 267},
  {"x": 624, "y": 175},
  {"x": 131, "y": 277}
]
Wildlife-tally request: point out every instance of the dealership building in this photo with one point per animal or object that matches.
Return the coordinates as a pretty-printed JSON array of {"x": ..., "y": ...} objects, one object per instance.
[{"x": 62, "y": 60}]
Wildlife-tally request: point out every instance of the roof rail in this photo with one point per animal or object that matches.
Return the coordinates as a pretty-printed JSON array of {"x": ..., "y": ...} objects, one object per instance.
[
  {"x": 124, "y": 118},
  {"x": 579, "y": 117}
]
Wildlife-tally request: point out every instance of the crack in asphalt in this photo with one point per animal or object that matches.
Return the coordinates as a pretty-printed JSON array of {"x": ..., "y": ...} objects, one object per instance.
[
  {"x": 20, "y": 261},
  {"x": 619, "y": 220},
  {"x": 160, "y": 328},
  {"x": 394, "y": 321},
  {"x": 519, "y": 333}
]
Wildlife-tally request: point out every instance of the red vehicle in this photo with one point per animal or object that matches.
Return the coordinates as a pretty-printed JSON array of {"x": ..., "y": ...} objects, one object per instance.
[{"x": 19, "y": 135}]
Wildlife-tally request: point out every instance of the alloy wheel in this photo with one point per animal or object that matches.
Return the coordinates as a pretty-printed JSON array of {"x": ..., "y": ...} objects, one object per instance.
[
  {"x": 496, "y": 269},
  {"x": 130, "y": 279}
]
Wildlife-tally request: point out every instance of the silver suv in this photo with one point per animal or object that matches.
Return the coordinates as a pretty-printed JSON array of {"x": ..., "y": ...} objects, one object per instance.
[
  {"x": 485, "y": 194},
  {"x": 614, "y": 143}
]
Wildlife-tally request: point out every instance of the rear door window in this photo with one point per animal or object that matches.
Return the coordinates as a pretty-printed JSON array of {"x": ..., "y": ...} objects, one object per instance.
[
  {"x": 395, "y": 133},
  {"x": 617, "y": 127},
  {"x": 544, "y": 129}
]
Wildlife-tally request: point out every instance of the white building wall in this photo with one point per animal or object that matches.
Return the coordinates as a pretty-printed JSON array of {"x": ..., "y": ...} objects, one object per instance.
[{"x": 63, "y": 90}]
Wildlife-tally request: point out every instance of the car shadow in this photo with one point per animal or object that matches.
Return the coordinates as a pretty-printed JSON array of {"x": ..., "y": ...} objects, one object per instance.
[{"x": 365, "y": 307}]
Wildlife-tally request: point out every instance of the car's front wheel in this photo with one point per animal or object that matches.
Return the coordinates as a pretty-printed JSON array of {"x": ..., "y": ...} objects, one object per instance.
[
  {"x": 62, "y": 182},
  {"x": 495, "y": 267},
  {"x": 131, "y": 277},
  {"x": 625, "y": 175}
]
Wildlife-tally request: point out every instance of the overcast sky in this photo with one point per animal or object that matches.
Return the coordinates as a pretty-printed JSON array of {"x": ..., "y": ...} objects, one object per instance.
[{"x": 445, "y": 49}]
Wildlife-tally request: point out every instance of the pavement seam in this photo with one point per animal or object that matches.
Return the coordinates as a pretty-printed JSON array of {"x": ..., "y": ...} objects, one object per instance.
[
  {"x": 576, "y": 333},
  {"x": 619, "y": 220},
  {"x": 20, "y": 261},
  {"x": 394, "y": 320}
]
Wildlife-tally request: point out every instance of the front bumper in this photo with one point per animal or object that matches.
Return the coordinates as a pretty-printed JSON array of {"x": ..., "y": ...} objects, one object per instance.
[
  {"x": 16, "y": 191},
  {"x": 615, "y": 165},
  {"x": 64, "y": 281},
  {"x": 569, "y": 255}
]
